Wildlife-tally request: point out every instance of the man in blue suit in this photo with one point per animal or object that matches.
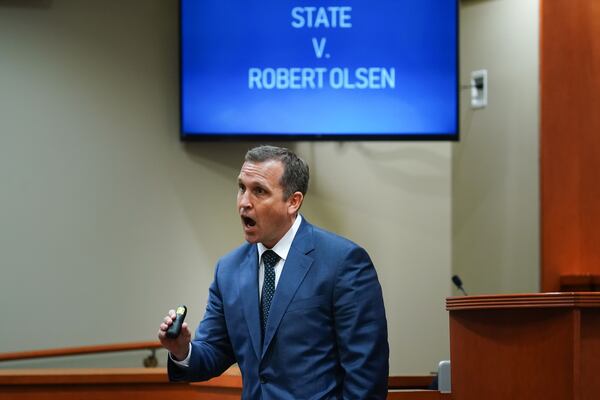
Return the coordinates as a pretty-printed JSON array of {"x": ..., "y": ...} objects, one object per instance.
[{"x": 298, "y": 308}]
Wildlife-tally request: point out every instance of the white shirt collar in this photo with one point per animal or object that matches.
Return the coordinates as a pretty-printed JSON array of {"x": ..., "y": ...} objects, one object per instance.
[{"x": 282, "y": 248}]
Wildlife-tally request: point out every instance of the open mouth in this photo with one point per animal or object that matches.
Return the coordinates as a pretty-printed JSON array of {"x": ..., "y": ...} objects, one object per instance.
[{"x": 249, "y": 222}]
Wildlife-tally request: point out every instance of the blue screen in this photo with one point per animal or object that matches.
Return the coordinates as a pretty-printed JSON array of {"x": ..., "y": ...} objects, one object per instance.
[{"x": 319, "y": 69}]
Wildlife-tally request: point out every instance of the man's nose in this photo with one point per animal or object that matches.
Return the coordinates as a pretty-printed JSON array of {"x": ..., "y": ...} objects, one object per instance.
[{"x": 244, "y": 201}]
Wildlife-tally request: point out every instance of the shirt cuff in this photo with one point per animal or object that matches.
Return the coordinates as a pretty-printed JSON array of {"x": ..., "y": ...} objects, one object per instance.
[{"x": 186, "y": 361}]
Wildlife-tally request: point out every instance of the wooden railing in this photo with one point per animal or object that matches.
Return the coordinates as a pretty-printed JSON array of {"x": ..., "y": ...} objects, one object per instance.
[{"x": 75, "y": 351}]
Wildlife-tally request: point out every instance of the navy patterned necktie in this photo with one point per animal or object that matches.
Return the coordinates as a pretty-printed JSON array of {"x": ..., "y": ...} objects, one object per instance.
[{"x": 270, "y": 259}]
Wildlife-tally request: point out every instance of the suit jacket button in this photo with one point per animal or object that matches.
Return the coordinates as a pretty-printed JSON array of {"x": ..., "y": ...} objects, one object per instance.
[{"x": 263, "y": 380}]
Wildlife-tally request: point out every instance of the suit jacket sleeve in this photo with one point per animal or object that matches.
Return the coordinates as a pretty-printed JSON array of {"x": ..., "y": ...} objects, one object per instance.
[
  {"x": 211, "y": 349},
  {"x": 361, "y": 328}
]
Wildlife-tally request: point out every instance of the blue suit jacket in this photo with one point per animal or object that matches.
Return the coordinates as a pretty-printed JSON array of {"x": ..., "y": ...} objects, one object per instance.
[{"x": 326, "y": 337}]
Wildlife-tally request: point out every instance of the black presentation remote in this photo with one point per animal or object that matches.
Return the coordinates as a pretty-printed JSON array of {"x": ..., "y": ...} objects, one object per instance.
[{"x": 175, "y": 329}]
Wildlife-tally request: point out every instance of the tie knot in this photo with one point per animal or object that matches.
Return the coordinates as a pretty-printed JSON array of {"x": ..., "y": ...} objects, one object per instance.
[{"x": 270, "y": 258}]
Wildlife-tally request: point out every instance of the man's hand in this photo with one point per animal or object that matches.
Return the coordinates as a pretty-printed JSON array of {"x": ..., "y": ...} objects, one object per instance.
[{"x": 179, "y": 346}]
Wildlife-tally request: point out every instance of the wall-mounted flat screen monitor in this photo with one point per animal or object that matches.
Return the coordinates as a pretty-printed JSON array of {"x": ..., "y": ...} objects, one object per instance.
[{"x": 337, "y": 69}]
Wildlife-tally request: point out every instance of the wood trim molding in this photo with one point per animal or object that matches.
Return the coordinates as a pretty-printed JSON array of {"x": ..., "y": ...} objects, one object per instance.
[{"x": 529, "y": 300}]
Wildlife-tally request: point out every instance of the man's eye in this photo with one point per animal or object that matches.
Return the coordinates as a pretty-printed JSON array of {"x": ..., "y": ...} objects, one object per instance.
[{"x": 259, "y": 191}]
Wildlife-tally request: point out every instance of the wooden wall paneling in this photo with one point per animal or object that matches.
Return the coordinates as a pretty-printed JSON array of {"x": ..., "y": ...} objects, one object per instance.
[{"x": 570, "y": 139}]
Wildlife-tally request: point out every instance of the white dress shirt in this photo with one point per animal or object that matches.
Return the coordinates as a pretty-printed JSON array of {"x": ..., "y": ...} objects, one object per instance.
[{"x": 282, "y": 248}]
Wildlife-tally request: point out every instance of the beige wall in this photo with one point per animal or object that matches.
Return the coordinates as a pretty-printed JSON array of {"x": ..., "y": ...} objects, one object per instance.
[
  {"x": 495, "y": 173},
  {"x": 107, "y": 220}
]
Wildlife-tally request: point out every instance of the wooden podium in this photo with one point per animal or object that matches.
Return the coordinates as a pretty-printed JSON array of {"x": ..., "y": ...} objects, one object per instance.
[{"x": 525, "y": 346}]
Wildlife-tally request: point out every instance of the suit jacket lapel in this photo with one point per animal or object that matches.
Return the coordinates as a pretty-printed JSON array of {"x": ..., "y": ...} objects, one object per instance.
[
  {"x": 249, "y": 294},
  {"x": 295, "y": 268}
]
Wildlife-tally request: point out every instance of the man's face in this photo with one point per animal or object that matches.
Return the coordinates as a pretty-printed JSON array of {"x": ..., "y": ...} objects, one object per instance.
[{"x": 266, "y": 215}]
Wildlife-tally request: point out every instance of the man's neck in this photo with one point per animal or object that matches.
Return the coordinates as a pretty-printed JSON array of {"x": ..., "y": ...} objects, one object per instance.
[{"x": 282, "y": 246}]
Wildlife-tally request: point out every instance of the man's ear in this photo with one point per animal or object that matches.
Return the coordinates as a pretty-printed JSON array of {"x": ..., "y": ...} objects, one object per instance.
[{"x": 294, "y": 202}]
